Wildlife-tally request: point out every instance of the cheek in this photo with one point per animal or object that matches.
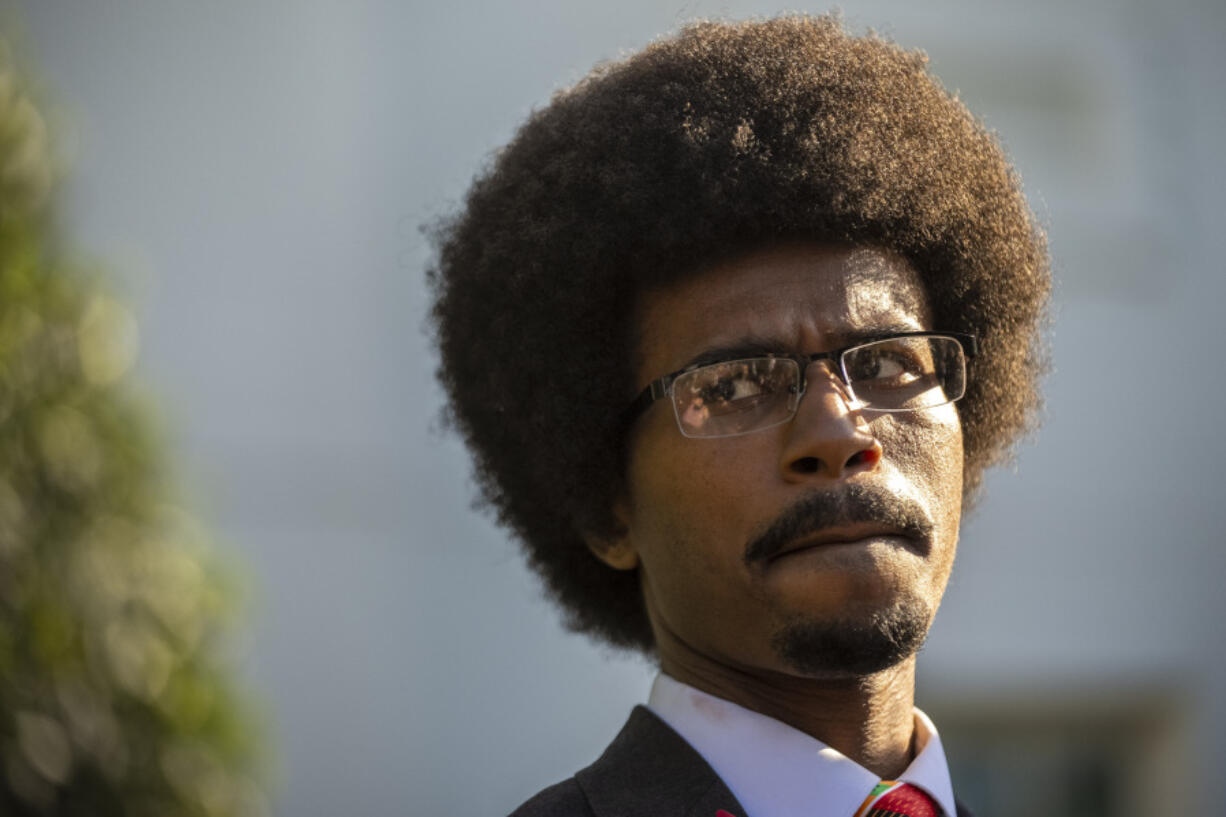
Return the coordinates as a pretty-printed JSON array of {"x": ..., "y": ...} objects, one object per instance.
[
  {"x": 691, "y": 510},
  {"x": 925, "y": 448},
  {"x": 674, "y": 498}
]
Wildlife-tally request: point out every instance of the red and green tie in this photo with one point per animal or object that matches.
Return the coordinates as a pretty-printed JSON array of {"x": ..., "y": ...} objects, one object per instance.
[{"x": 889, "y": 798}]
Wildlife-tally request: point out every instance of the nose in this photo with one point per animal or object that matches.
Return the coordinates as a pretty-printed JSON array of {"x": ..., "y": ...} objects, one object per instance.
[{"x": 828, "y": 438}]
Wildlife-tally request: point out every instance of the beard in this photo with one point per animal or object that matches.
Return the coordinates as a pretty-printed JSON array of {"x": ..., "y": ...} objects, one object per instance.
[{"x": 853, "y": 648}]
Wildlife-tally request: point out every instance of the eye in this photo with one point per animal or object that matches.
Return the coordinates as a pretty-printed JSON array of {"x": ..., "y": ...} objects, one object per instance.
[
  {"x": 906, "y": 373},
  {"x": 736, "y": 385},
  {"x": 735, "y": 397},
  {"x": 894, "y": 367},
  {"x": 892, "y": 364},
  {"x": 732, "y": 384}
]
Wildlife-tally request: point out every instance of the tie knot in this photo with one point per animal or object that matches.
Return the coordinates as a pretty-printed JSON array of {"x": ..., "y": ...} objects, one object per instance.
[{"x": 903, "y": 800}]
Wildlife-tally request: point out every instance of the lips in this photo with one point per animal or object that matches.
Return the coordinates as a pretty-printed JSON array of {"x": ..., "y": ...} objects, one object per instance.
[{"x": 833, "y": 536}]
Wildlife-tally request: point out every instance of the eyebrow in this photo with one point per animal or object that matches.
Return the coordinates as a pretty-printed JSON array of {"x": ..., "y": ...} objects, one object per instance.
[
  {"x": 759, "y": 346},
  {"x": 743, "y": 347}
]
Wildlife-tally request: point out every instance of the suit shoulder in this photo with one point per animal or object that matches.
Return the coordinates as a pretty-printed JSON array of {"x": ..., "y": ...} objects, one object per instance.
[{"x": 563, "y": 799}]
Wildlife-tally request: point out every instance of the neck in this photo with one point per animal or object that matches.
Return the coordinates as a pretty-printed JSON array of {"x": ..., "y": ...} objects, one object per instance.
[{"x": 868, "y": 719}]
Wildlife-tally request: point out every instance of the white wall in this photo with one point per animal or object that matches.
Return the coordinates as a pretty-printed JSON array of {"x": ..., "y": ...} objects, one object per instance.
[{"x": 255, "y": 173}]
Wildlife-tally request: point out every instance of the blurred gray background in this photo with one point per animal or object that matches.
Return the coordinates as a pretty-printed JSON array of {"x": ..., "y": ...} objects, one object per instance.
[{"x": 254, "y": 175}]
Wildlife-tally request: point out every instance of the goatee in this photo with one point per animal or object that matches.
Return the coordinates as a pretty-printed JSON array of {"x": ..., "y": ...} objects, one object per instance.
[{"x": 854, "y": 648}]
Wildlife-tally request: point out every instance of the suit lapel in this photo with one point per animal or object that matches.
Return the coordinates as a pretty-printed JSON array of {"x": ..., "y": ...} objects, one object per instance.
[{"x": 650, "y": 771}]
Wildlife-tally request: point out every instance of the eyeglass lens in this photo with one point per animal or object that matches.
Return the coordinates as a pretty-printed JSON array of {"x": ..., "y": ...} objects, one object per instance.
[{"x": 896, "y": 374}]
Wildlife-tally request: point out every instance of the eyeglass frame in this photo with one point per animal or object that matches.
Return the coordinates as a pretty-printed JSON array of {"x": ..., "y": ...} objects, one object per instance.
[{"x": 661, "y": 387}]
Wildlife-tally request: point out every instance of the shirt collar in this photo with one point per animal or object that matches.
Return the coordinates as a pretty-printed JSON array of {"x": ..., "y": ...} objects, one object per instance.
[{"x": 775, "y": 770}]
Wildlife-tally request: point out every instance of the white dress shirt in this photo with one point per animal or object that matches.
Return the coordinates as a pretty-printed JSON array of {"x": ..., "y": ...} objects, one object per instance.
[{"x": 775, "y": 770}]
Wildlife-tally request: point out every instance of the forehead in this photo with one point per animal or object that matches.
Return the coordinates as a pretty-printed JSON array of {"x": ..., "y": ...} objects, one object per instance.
[{"x": 795, "y": 297}]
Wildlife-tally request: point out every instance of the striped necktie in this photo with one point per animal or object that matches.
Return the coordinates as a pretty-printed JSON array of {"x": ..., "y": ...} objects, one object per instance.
[{"x": 889, "y": 798}]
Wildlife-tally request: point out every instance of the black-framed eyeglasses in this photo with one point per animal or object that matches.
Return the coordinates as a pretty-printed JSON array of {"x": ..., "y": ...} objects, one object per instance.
[{"x": 906, "y": 371}]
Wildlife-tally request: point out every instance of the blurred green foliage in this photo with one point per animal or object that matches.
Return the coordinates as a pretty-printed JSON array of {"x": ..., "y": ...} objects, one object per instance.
[{"x": 114, "y": 698}]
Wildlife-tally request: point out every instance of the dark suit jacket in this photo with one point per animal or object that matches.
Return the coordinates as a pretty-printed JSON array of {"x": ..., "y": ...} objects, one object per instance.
[{"x": 647, "y": 771}]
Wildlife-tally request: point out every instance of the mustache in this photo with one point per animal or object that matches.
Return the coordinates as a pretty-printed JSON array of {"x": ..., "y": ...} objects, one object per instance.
[{"x": 844, "y": 507}]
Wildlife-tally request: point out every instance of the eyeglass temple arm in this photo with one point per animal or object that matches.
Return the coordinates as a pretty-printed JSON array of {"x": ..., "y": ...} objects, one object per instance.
[{"x": 655, "y": 390}]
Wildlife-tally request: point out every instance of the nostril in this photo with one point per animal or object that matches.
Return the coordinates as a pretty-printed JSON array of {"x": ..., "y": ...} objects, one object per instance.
[
  {"x": 806, "y": 465},
  {"x": 866, "y": 457}
]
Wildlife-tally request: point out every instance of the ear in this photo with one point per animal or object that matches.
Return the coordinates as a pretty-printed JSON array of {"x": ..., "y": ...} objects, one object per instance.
[{"x": 616, "y": 549}]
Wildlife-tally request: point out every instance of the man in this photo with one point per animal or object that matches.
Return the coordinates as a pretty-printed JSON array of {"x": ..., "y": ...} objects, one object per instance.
[{"x": 733, "y": 328}]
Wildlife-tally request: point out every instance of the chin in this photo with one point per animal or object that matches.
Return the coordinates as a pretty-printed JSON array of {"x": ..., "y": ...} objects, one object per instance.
[{"x": 853, "y": 648}]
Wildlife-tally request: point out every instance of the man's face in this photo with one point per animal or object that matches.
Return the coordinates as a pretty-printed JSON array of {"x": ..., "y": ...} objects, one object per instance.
[{"x": 861, "y": 509}]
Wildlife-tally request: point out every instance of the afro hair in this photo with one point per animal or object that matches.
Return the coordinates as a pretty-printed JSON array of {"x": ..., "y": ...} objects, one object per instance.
[{"x": 722, "y": 139}]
